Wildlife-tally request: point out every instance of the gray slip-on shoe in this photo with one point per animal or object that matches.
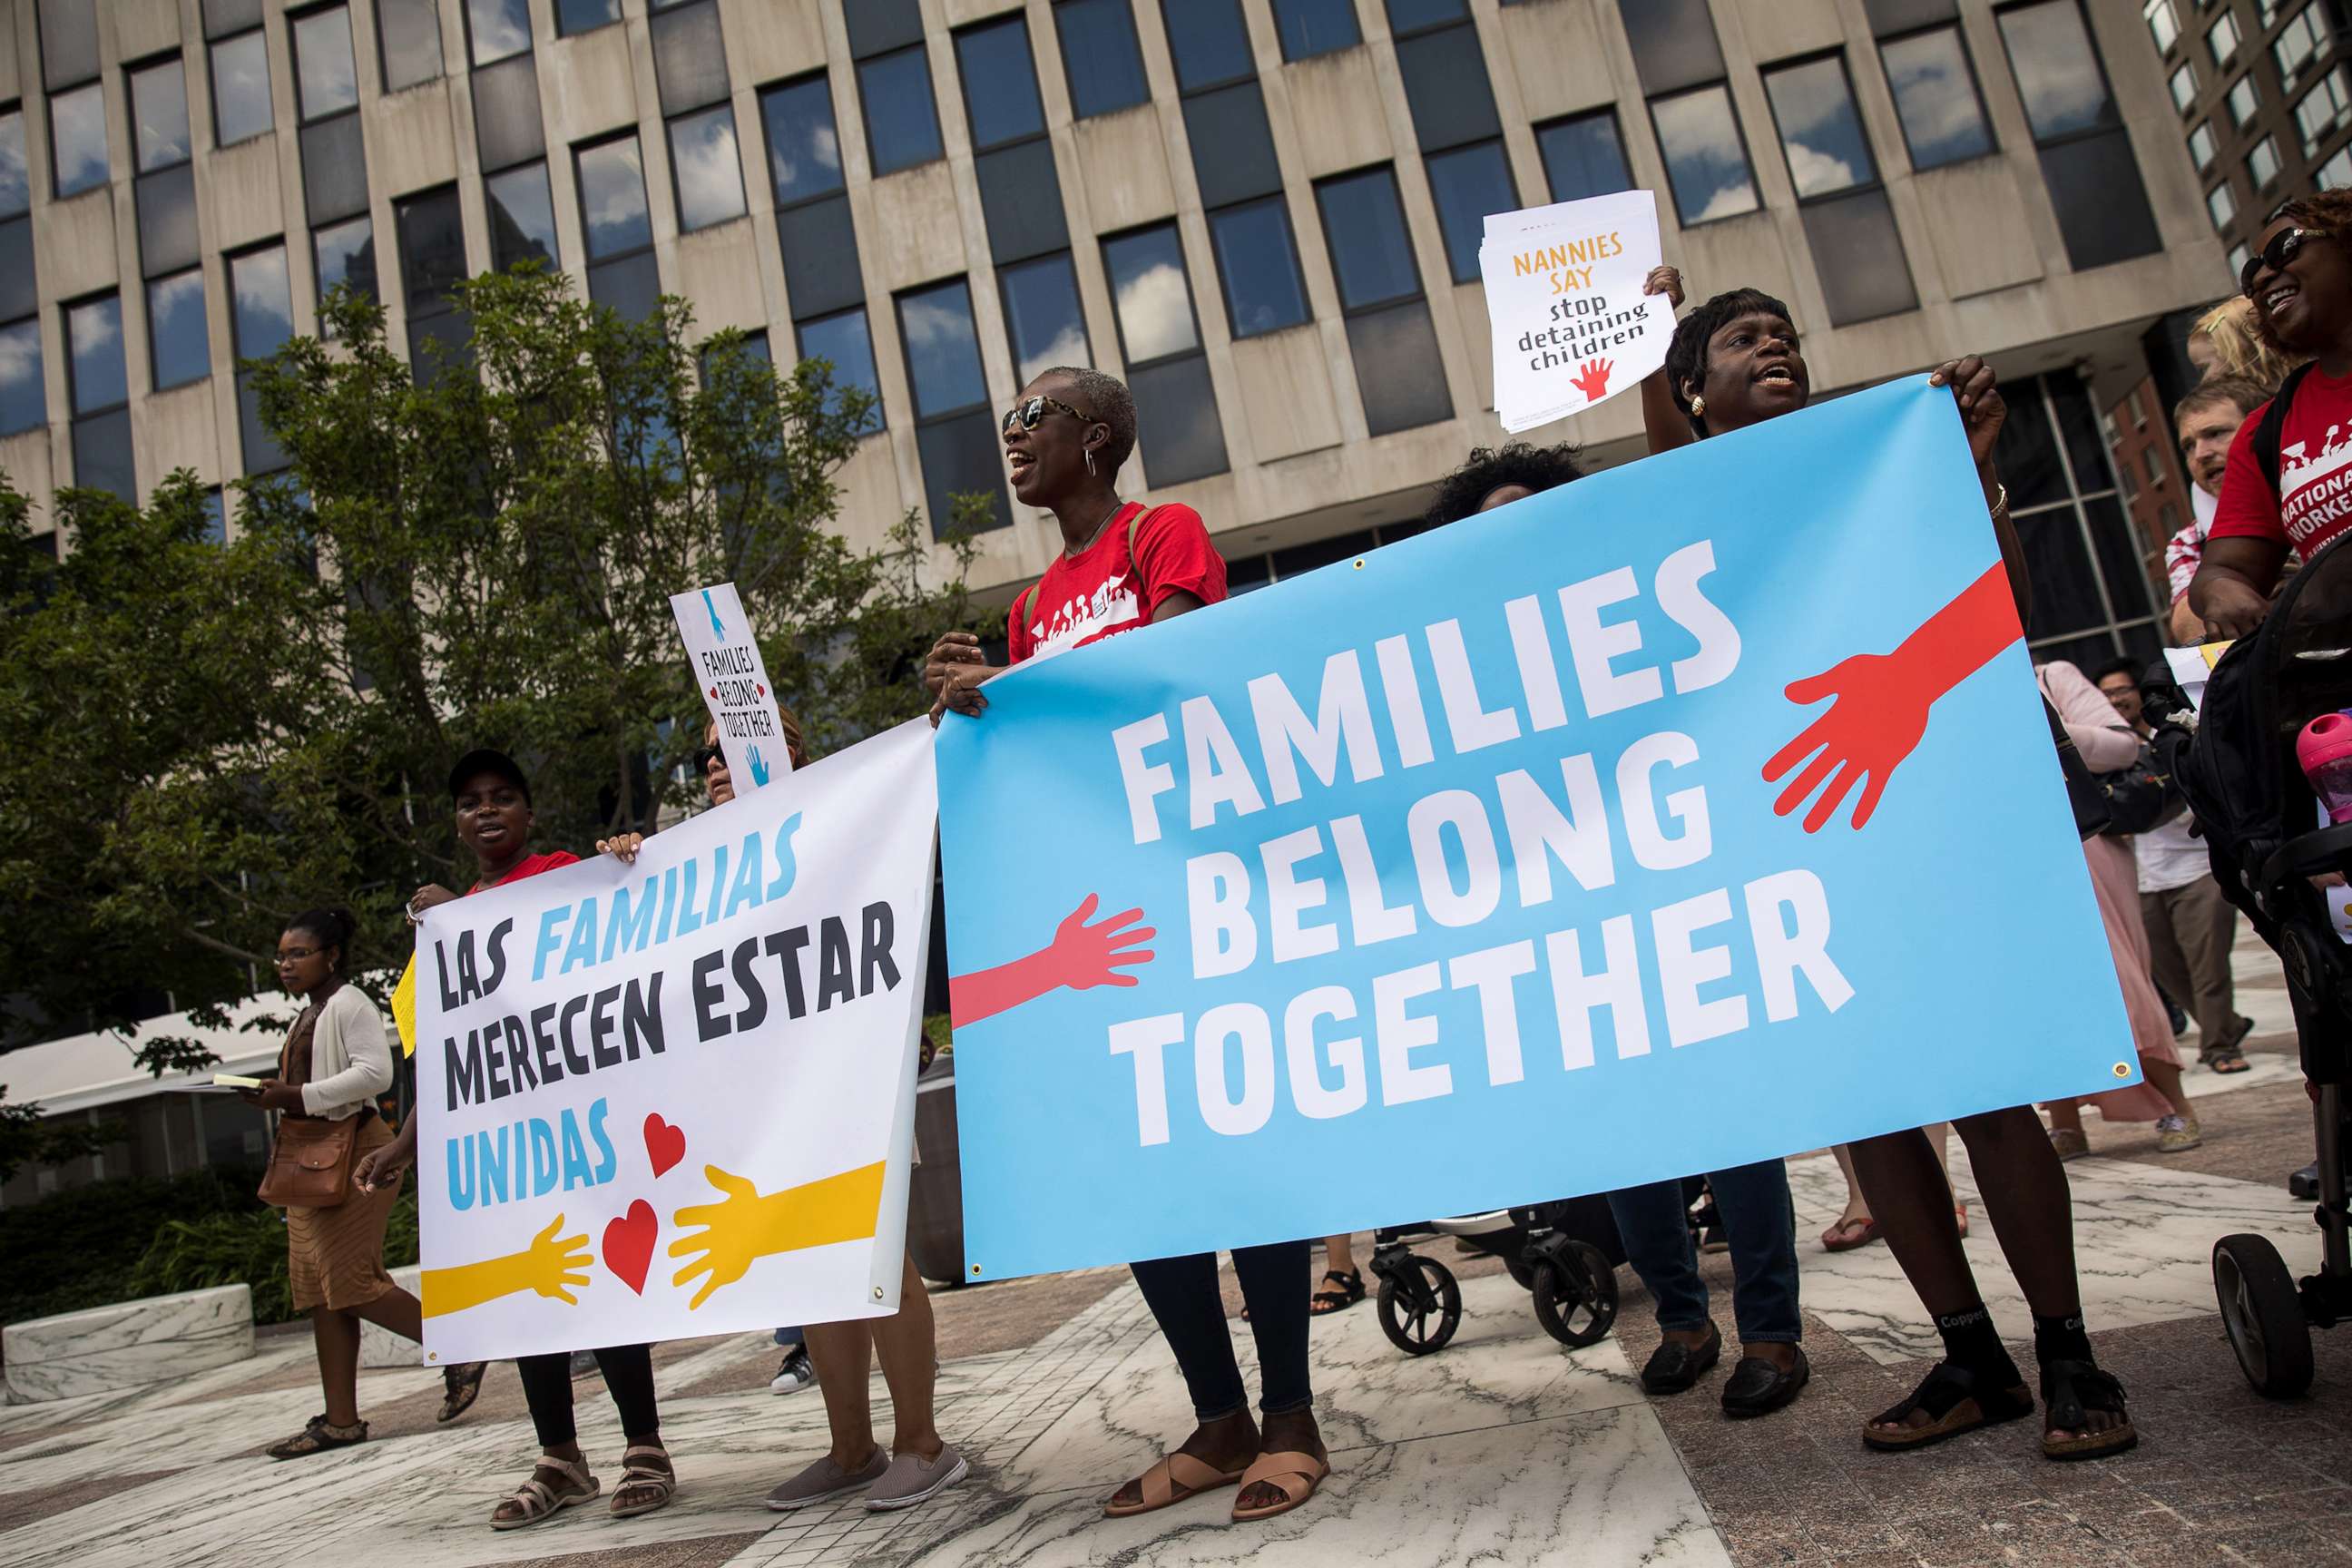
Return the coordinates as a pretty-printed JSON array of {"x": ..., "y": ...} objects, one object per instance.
[
  {"x": 912, "y": 1479},
  {"x": 825, "y": 1479}
]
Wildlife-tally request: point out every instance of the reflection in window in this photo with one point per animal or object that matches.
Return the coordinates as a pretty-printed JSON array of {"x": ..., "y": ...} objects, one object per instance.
[
  {"x": 902, "y": 124},
  {"x": 612, "y": 198},
  {"x": 2085, "y": 154},
  {"x": 1469, "y": 184},
  {"x": 1309, "y": 27},
  {"x": 2203, "y": 147},
  {"x": 94, "y": 344},
  {"x": 2183, "y": 83},
  {"x": 1371, "y": 254},
  {"x": 585, "y": 15},
  {"x": 942, "y": 349},
  {"x": 1043, "y": 317},
  {"x": 1583, "y": 157},
  {"x": 1259, "y": 263},
  {"x": 1153, "y": 296},
  {"x": 2222, "y": 37},
  {"x": 410, "y": 32},
  {"x": 241, "y": 88},
  {"x": 2220, "y": 205},
  {"x": 1000, "y": 82},
  {"x": 803, "y": 151},
  {"x": 1819, "y": 130},
  {"x": 325, "y": 77},
  {"x": 1707, "y": 164},
  {"x": 1936, "y": 98},
  {"x": 708, "y": 170},
  {"x": 843, "y": 341},
  {"x": 498, "y": 28},
  {"x": 159, "y": 115},
  {"x": 2057, "y": 72},
  {"x": 261, "y": 309},
  {"x": 2262, "y": 163},
  {"x": 346, "y": 256},
  {"x": 2163, "y": 22},
  {"x": 2297, "y": 43},
  {"x": 2244, "y": 100},
  {"x": 77, "y": 139},
  {"x": 522, "y": 216},
  {"x": 2316, "y": 116},
  {"x": 15, "y": 178},
  {"x": 22, "y": 404},
  {"x": 178, "y": 340},
  {"x": 1099, "y": 55},
  {"x": 1208, "y": 40}
]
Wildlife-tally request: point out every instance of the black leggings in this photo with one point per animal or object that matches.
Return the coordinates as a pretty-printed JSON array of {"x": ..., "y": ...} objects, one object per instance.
[
  {"x": 628, "y": 1377},
  {"x": 1183, "y": 1294}
]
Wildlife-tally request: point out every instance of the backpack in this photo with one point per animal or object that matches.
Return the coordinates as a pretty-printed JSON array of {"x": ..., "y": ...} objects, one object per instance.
[
  {"x": 2273, "y": 428},
  {"x": 1026, "y": 601}
]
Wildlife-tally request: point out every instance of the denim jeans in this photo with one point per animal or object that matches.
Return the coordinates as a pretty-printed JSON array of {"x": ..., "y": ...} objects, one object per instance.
[
  {"x": 1761, "y": 1222},
  {"x": 1183, "y": 1296}
]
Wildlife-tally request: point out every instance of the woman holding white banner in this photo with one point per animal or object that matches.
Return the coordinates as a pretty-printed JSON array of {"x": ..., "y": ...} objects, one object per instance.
[
  {"x": 1735, "y": 363},
  {"x": 1123, "y": 566}
]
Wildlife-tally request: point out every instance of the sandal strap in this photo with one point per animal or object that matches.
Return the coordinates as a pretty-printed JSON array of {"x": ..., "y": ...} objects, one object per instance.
[
  {"x": 534, "y": 1497},
  {"x": 1938, "y": 1394},
  {"x": 1291, "y": 1473},
  {"x": 2071, "y": 1389}
]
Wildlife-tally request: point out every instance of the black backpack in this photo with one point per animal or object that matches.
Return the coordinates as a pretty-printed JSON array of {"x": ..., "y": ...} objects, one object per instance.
[{"x": 2272, "y": 427}]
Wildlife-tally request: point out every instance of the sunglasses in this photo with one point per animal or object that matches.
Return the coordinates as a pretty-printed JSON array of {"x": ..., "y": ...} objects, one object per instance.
[
  {"x": 706, "y": 755},
  {"x": 2284, "y": 247},
  {"x": 1028, "y": 413}
]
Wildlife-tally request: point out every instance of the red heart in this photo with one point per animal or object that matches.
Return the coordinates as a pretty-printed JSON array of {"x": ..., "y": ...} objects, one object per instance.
[
  {"x": 714, "y": 694},
  {"x": 629, "y": 1245},
  {"x": 763, "y": 691},
  {"x": 665, "y": 1144}
]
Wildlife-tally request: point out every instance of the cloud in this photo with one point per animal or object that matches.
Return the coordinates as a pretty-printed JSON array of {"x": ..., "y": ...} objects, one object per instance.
[
  {"x": 1728, "y": 201},
  {"x": 710, "y": 174},
  {"x": 1068, "y": 348},
  {"x": 20, "y": 361},
  {"x": 617, "y": 199},
  {"x": 1155, "y": 310},
  {"x": 1817, "y": 173},
  {"x": 823, "y": 161}
]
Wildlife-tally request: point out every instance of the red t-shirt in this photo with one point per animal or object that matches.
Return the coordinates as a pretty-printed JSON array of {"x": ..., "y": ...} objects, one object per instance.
[
  {"x": 530, "y": 866},
  {"x": 2313, "y": 502},
  {"x": 1105, "y": 592}
]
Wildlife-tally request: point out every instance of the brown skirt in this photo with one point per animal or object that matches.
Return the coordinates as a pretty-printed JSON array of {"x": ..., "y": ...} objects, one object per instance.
[{"x": 335, "y": 1256}]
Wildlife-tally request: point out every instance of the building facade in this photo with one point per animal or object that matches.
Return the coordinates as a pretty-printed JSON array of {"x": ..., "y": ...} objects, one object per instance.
[{"x": 1262, "y": 214}]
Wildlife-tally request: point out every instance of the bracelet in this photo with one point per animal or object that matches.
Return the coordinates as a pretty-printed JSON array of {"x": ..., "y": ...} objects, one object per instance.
[{"x": 2000, "y": 501}]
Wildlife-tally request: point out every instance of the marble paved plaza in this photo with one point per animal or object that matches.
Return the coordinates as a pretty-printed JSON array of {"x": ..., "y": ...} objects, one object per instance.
[{"x": 1502, "y": 1449}]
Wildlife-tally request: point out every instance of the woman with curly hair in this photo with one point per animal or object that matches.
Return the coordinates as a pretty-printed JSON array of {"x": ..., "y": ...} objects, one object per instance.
[
  {"x": 2290, "y": 495},
  {"x": 1498, "y": 475}
]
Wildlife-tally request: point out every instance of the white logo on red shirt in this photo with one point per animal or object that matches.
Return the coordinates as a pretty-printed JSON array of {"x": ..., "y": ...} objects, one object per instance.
[
  {"x": 2314, "y": 490},
  {"x": 1111, "y": 604}
]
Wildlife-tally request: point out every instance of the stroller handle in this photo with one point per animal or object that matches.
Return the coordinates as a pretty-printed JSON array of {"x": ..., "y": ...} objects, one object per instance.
[{"x": 2327, "y": 849}]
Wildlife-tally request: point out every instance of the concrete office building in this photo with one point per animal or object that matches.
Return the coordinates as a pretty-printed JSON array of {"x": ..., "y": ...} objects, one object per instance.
[{"x": 1262, "y": 214}]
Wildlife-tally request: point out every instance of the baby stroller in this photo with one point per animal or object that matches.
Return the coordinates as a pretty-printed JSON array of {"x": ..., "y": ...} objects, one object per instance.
[
  {"x": 1565, "y": 1254},
  {"x": 2262, "y": 828}
]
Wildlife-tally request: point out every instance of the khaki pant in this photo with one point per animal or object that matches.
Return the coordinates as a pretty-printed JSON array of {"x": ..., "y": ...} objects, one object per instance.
[{"x": 2190, "y": 931}]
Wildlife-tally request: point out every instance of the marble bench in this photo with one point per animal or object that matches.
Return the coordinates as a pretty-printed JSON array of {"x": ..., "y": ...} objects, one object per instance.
[
  {"x": 381, "y": 1347},
  {"x": 127, "y": 1343}
]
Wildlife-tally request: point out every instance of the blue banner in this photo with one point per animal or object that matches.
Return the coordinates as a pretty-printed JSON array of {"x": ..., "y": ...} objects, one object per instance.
[{"x": 1691, "y": 813}]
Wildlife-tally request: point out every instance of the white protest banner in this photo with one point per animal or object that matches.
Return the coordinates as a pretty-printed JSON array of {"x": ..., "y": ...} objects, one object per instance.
[
  {"x": 1571, "y": 325},
  {"x": 734, "y": 682},
  {"x": 677, "y": 1098}
]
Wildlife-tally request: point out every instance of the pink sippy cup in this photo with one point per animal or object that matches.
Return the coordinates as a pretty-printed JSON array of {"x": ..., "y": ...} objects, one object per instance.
[{"x": 2325, "y": 750}]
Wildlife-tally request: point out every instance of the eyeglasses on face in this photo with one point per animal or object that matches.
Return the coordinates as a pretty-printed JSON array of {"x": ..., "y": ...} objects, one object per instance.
[
  {"x": 287, "y": 955},
  {"x": 1028, "y": 413},
  {"x": 706, "y": 755},
  {"x": 2284, "y": 246}
]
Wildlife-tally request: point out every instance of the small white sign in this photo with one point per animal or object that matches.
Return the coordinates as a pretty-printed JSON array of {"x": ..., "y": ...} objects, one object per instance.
[
  {"x": 734, "y": 682},
  {"x": 1571, "y": 325}
]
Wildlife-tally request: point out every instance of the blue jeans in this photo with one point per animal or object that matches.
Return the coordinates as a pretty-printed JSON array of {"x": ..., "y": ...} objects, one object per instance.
[
  {"x": 787, "y": 1338},
  {"x": 1759, "y": 1220}
]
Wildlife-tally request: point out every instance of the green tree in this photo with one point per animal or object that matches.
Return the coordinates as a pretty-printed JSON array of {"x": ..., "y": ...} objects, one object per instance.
[{"x": 208, "y": 738}]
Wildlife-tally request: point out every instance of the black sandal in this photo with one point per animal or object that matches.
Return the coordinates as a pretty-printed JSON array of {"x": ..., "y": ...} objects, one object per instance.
[
  {"x": 460, "y": 1386},
  {"x": 317, "y": 1436},
  {"x": 1957, "y": 1400},
  {"x": 1323, "y": 1303},
  {"x": 2071, "y": 1390}
]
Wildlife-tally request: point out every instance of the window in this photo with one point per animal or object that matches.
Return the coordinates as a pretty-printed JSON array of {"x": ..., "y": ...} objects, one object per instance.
[
  {"x": 23, "y": 404},
  {"x": 334, "y": 160},
  {"x": 1707, "y": 161},
  {"x": 2222, "y": 37},
  {"x": 101, "y": 395},
  {"x": 955, "y": 436},
  {"x": 2153, "y": 466},
  {"x": 1235, "y": 162},
  {"x": 622, "y": 272},
  {"x": 2262, "y": 163},
  {"x": 2244, "y": 100},
  {"x": 812, "y": 223},
  {"x": 2334, "y": 174},
  {"x": 345, "y": 256},
  {"x": 261, "y": 318},
  {"x": 241, "y": 88},
  {"x": 1020, "y": 192},
  {"x": 1398, "y": 367},
  {"x": 2184, "y": 86},
  {"x": 176, "y": 339},
  {"x": 2085, "y": 153},
  {"x": 1100, "y": 57},
  {"x": 69, "y": 37},
  {"x": 585, "y": 15},
  {"x": 1311, "y": 27},
  {"x": 522, "y": 216},
  {"x": 1161, "y": 343},
  {"x": 1673, "y": 41},
  {"x": 1583, "y": 156},
  {"x": 1042, "y": 315},
  {"x": 159, "y": 115},
  {"x": 408, "y": 34},
  {"x": 165, "y": 195},
  {"x": 326, "y": 81},
  {"x": 497, "y": 29},
  {"x": 432, "y": 264},
  {"x": 2297, "y": 43},
  {"x": 1453, "y": 118},
  {"x": 215, "y": 520},
  {"x": 2322, "y": 110},
  {"x": 690, "y": 64},
  {"x": 894, "y": 83},
  {"x": 2220, "y": 205},
  {"x": 2202, "y": 147},
  {"x": 1936, "y": 97},
  {"x": 1856, "y": 251},
  {"x": 2239, "y": 255},
  {"x": 2163, "y": 25}
]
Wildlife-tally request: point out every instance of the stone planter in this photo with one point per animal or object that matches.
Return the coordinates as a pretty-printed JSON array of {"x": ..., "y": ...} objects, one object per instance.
[{"x": 127, "y": 1343}]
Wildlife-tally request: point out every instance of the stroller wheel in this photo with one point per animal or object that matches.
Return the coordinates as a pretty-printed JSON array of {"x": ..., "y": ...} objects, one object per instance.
[
  {"x": 1576, "y": 1297},
  {"x": 1419, "y": 1306},
  {"x": 1522, "y": 1271},
  {"x": 2262, "y": 1311}
]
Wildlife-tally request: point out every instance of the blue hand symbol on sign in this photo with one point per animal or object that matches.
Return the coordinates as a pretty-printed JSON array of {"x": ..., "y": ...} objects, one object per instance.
[
  {"x": 717, "y": 629},
  {"x": 759, "y": 767}
]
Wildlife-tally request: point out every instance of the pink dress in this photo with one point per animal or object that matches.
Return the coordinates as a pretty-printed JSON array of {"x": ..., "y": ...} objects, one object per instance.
[{"x": 2107, "y": 743}]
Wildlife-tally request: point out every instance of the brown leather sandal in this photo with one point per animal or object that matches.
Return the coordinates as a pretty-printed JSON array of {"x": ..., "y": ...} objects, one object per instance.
[
  {"x": 1956, "y": 1401},
  {"x": 1175, "y": 1477},
  {"x": 317, "y": 1436},
  {"x": 1295, "y": 1475},
  {"x": 539, "y": 1498}
]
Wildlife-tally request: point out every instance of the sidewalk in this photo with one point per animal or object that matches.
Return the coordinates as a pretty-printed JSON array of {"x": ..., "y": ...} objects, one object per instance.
[{"x": 1502, "y": 1449}]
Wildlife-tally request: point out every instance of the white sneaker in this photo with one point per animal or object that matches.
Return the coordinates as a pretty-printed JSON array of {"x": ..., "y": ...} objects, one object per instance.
[{"x": 796, "y": 1375}]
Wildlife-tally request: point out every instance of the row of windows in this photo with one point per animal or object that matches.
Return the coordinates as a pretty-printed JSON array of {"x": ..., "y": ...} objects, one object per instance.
[{"x": 2295, "y": 47}]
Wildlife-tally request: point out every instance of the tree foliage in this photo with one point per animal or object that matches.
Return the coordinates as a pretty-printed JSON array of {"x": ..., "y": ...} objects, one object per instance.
[{"x": 206, "y": 738}]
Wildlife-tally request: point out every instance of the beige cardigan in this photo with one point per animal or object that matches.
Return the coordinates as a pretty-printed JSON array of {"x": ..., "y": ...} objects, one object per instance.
[{"x": 350, "y": 1062}]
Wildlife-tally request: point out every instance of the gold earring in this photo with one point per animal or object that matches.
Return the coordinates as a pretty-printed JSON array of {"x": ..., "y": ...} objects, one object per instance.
[{"x": 1698, "y": 407}]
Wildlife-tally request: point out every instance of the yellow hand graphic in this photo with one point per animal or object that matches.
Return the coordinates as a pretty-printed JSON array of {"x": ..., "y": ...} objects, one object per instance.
[
  {"x": 547, "y": 1266},
  {"x": 745, "y": 1225}
]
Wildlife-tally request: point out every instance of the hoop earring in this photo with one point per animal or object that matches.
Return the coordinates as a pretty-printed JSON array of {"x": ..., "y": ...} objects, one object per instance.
[
  {"x": 1090, "y": 460},
  {"x": 1698, "y": 407}
]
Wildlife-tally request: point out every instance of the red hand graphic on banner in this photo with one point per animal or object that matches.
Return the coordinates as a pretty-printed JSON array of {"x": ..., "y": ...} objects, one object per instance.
[
  {"x": 1080, "y": 956},
  {"x": 1880, "y": 702},
  {"x": 1591, "y": 378}
]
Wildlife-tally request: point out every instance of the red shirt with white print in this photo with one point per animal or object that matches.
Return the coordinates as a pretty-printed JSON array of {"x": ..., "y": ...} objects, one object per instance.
[
  {"x": 531, "y": 866},
  {"x": 1103, "y": 591},
  {"x": 2313, "y": 502}
]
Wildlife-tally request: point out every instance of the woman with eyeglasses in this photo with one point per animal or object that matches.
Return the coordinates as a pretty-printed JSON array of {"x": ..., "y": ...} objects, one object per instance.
[
  {"x": 332, "y": 1065},
  {"x": 1122, "y": 566},
  {"x": 2283, "y": 487}
]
